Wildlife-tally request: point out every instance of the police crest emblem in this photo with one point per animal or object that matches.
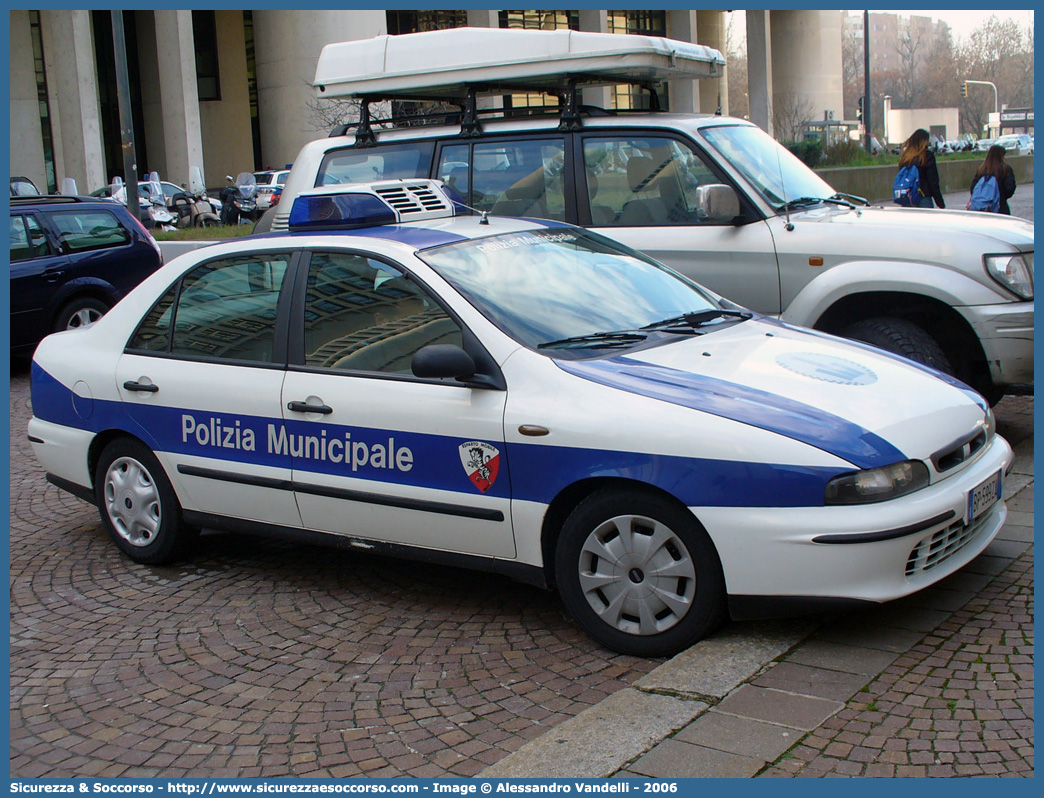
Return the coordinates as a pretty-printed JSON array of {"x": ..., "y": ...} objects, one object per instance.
[{"x": 481, "y": 463}]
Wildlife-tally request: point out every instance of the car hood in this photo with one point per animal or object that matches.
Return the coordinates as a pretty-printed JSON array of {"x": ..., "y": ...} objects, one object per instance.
[
  {"x": 914, "y": 229},
  {"x": 853, "y": 401}
]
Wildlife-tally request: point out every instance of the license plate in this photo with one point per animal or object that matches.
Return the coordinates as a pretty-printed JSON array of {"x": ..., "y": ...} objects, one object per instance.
[{"x": 987, "y": 494}]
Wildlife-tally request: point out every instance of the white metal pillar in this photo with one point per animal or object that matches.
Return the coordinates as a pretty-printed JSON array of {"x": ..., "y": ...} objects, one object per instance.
[
  {"x": 27, "y": 155},
  {"x": 72, "y": 84},
  {"x": 179, "y": 100},
  {"x": 759, "y": 68}
]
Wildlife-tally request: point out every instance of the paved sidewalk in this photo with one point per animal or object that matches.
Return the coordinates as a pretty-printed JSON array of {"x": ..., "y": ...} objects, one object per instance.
[{"x": 938, "y": 684}]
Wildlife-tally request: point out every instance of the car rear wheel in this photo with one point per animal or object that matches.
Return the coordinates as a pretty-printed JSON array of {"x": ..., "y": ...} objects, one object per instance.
[
  {"x": 638, "y": 573},
  {"x": 137, "y": 503},
  {"x": 82, "y": 312}
]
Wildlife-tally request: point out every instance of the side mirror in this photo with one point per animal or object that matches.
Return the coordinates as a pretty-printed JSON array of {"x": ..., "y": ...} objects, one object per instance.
[
  {"x": 443, "y": 361},
  {"x": 717, "y": 203}
]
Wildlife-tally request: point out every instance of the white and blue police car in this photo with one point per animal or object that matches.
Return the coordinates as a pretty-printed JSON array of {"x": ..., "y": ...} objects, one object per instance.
[{"x": 519, "y": 396}]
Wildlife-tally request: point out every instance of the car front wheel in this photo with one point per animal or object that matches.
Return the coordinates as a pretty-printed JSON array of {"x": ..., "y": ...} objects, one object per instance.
[
  {"x": 137, "y": 503},
  {"x": 638, "y": 573}
]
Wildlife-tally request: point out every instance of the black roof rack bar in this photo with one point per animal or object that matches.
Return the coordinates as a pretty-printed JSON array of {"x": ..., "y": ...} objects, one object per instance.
[
  {"x": 570, "y": 108},
  {"x": 469, "y": 124},
  {"x": 53, "y": 198}
]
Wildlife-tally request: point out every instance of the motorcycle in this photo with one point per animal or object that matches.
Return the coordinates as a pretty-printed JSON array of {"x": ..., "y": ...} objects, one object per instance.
[
  {"x": 239, "y": 201},
  {"x": 194, "y": 210},
  {"x": 157, "y": 210},
  {"x": 152, "y": 206}
]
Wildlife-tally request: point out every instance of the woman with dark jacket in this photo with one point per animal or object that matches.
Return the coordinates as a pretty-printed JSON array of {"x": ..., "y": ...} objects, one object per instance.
[
  {"x": 915, "y": 150},
  {"x": 996, "y": 166}
]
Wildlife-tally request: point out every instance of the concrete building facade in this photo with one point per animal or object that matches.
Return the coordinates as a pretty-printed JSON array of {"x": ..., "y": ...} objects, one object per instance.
[{"x": 230, "y": 91}]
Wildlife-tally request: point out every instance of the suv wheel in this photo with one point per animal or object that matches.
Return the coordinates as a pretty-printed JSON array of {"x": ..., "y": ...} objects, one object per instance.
[
  {"x": 82, "y": 312},
  {"x": 901, "y": 337}
]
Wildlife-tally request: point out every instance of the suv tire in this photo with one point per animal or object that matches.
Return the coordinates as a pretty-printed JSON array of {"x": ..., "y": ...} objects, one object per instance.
[{"x": 900, "y": 337}]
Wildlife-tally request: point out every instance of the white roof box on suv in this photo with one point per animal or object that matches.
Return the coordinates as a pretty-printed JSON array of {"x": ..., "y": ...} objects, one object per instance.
[{"x": 446, "y": 63}]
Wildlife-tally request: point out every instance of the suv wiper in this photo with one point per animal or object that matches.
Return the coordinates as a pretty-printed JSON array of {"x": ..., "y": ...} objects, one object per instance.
[
  {"x": 800, "y": 202},
  {"x": 615, "y": 338},
  {"x": 698, "y": 319},
  {"x": 850, "y": 198}
]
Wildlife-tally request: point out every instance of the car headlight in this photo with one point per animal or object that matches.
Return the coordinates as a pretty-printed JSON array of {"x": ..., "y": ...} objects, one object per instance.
[
  {"x": 877, "y": 484},
  {"x": 1013, "y": 271},
  {"x": 991, "y": 425}
]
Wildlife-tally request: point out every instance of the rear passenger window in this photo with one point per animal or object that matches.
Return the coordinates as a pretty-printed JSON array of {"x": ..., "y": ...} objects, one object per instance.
[
  {"x": 226, "y": 309},
  {"x": 508, "y": 178},
  {"x": 363, "y": 315},
  {"x": 633, "y": 182},
  {"x": 392, "y": 162},
  {"x": 80, "y": 231}
]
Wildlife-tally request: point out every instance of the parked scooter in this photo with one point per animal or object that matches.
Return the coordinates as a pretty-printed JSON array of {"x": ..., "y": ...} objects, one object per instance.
[
  {"x": 157, "y": 205},
  {"x": 239, "y": 201},
  {"x": 194, "y": 210}
]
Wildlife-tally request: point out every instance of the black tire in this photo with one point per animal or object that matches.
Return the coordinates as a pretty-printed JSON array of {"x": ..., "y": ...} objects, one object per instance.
[
  {"x": 80, "y": 312},
  {"x": 901, "y": 337},
  {"x": 617, "y": 596},
  {"x": 138, "y": 506}
]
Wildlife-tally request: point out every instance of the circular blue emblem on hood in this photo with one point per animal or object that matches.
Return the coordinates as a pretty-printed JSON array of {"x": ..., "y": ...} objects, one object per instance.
[{"x": 827, "y": 368}]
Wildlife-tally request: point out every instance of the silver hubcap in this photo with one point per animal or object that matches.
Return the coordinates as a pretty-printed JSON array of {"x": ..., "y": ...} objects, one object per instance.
[
  {"x": 84, "y": 317},
  {"x": 132, "y": 501},
  {"x": 637, "y": 575}
]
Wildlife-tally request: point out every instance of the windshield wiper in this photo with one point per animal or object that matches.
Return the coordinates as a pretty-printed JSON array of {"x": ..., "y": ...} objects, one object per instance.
[
  {"x": 850, "y": 198},
  {"x": 698, "y": 319},
  {"x": 800, "y": 202},
  {"x": 615, "y": 338}
]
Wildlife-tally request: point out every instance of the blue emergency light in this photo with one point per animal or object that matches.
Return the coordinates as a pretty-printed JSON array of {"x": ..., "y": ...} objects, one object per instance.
[
  {"x": 353, "y": 205},
  {"x": 339, "y": 212}
]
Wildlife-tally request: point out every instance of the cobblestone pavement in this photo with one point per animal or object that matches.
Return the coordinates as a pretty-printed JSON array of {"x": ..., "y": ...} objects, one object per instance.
[
  {"x": 959, "y": 703},
  {"x": 260, "y": 659}
]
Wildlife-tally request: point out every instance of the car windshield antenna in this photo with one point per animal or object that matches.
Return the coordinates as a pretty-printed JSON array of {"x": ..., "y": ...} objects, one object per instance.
[{"x": 786, "y": 204}]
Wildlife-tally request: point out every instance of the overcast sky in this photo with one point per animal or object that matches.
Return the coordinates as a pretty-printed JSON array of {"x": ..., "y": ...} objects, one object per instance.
[{"x": 961, "y": 23}]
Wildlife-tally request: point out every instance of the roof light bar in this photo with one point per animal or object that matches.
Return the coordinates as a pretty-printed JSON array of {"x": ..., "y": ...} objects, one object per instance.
[{"x": 349, "y": 206}]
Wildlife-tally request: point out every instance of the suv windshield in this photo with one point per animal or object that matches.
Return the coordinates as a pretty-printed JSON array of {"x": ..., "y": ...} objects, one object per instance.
[
  {"x": 546, "y": 288},
  {"x": 778, "y": 175}
]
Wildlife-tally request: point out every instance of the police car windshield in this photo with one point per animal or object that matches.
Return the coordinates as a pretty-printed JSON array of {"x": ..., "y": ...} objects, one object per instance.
[
  {"x": 778, "y": 175},
  {"x": 564, "y": 283}
]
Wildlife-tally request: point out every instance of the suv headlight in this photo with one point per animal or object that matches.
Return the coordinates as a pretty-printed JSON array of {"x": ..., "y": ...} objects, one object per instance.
[
  {"x": 1013, "y": 271},
  {"x": 877, "y": 484}
]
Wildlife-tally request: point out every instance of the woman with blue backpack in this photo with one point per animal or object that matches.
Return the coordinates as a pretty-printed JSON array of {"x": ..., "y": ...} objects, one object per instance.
[
  {"x": 993, "y": 184},
  {"x": 917, "y": 184}
]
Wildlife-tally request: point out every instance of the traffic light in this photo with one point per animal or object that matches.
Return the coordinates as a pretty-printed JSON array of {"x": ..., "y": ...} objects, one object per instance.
[
  {"x": 859, "y": 110},
  {"x": 964, "y": 89}
]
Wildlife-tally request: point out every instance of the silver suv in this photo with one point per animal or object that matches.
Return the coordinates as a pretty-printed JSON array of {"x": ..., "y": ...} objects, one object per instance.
[{"x": 725, "y": 204}]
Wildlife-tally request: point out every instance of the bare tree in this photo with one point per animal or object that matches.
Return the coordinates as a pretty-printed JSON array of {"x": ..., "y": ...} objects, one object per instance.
[
  {"x": 1001, "y": 52},
  {"x": 790, "y": 112}
]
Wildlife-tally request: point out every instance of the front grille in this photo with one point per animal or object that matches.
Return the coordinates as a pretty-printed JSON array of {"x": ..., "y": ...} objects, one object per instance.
[
  {"x": 938, "y": 548},
  {"x": 959, "y": 452}
]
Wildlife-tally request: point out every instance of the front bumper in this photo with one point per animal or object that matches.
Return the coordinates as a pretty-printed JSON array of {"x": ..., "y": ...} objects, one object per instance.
[
  {"x": 915, "y": 541},
  {"x": 1006, "y": 334}
]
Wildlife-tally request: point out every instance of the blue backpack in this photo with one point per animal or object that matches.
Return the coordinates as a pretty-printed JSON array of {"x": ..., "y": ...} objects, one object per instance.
[
  {"x": 986, "y": 195},
  {"x": 906, "y": 189}
]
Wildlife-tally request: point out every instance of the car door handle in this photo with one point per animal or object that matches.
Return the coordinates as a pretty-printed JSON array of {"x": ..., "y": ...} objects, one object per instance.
[
  {"x": 304, "y": 407},
  {"x": 53, "y": 276},
  {"x": 133, "y": 385}
]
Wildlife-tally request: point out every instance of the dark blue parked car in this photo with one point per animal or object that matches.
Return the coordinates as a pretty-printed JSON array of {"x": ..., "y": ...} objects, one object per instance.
[{"x": 72, "y": 258}]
